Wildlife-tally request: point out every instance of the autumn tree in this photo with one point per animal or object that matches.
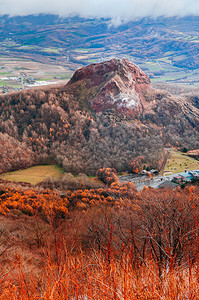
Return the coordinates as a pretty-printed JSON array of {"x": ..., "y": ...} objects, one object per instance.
[
  {"x": 135, "y": 166},
  {"x": 107, "y": 175}
]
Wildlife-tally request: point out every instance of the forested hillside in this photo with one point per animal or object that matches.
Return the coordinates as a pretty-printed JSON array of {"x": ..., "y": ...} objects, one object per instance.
[{"x": 63, "y": 125}]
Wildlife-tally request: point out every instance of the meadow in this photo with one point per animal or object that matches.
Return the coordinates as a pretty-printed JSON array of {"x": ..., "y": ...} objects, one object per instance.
[
  {"x": 179, "y": 162},
  {"x": 34, "y": 174}
]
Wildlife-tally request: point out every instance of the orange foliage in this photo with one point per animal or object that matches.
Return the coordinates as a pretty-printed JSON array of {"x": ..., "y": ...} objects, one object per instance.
[
  {"x": 107, "y": 175},
  {"x": 116, "y": 244},
  {"x": 49, "y": 204},
  {"x": 46, "y": 204},
  {"x": 135, "y": 166}
]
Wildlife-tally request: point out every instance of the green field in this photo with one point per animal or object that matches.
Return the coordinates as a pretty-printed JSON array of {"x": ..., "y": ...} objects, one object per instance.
[
  {"x": 34, "y": 175},
  {"x": 179, "y": 162},
  {"x": 81, "y": 50},
  {"x": 50, "y": 50}
]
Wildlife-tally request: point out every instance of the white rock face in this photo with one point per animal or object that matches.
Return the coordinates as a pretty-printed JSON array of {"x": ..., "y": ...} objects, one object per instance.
[{"x": 124, "y": 100}]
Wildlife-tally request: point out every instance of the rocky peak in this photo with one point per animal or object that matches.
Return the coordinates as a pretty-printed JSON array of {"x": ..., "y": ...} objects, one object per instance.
[
  {"x": 117, "y": 84},
  {"x": 100, "y": 71}
]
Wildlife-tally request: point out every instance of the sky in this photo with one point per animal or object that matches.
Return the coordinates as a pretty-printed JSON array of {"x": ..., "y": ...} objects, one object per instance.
[{"x": 117, "y": 10}]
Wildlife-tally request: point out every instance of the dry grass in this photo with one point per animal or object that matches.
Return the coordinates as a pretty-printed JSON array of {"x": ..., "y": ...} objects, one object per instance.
[
  {"x": 93, "y": 277},
  {"x": 178, "y": 162},
  {"x": 33, "y": 175}
]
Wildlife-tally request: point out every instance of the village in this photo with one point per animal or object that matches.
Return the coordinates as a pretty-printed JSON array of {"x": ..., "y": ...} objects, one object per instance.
[
  {"x": 18, "y": 83},
  {"x": 17, "y": 74},
  {"x": 159, "y": 181}
]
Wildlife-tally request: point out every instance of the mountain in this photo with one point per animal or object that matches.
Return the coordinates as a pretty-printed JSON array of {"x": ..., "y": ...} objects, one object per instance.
[
  {"x": 105, "y": 116},
  {"x": 117, "y": 84},
  {"x": 122, "y": 86}
]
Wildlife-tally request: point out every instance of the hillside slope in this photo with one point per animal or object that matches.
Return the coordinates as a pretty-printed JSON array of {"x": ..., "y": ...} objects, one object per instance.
[{"x": 105, "y": 116}]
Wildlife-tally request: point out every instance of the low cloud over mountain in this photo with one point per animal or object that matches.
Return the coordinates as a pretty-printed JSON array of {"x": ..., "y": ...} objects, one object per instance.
[{"x": 115, "y": 9}]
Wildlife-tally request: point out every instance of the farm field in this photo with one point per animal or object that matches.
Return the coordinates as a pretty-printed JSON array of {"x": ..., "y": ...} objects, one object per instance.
[
  {"x": 44, "y": 71},
  {"x": 178, "y": 162},
  {"x": 34, "y": 175},
  {"x": 168, "y": 55},
  {"x": 33, "y": 74}
]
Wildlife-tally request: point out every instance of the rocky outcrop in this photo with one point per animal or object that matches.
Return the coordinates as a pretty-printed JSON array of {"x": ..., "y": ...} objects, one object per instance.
[{"x": 117, "y": 84}]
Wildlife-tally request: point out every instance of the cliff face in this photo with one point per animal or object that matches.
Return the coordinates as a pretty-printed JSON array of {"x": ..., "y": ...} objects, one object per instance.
[{"x": 117, "y": 84}]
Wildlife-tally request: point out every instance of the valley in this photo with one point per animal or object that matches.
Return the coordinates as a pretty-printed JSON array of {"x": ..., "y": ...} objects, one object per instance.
[
  {"x": 90, "y": 113},
  {"x": 165, "y": 48},
  {"x": 176, "y": 163}
]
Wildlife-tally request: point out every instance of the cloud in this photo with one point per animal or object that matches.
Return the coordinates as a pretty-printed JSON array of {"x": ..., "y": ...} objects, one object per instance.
[{"x": 117, "y": 10}]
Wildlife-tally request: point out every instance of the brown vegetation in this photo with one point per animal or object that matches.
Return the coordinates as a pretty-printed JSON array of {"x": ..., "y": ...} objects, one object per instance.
[
  {"x": 50, "y": 128},
  {"x": 107, "y": 243},
  {"x": 70, "y": 182}
]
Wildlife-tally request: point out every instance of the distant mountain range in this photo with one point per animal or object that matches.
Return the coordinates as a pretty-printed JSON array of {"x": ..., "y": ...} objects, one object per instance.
[{"x": 163, "y": 47}]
